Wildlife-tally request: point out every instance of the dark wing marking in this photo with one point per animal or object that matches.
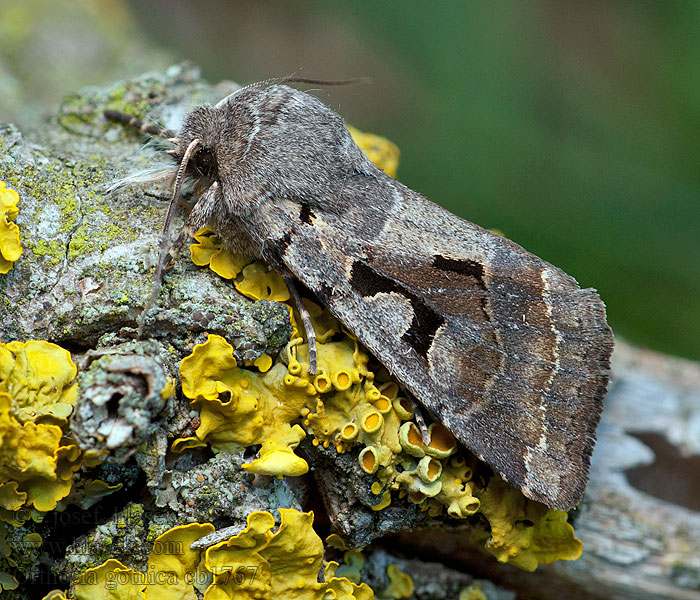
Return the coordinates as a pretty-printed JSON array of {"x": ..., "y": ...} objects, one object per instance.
[{"x": 505, "y": 349}]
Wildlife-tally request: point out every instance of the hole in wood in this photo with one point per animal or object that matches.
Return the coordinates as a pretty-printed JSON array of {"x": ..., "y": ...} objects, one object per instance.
[{"x": 672, "y": 477}]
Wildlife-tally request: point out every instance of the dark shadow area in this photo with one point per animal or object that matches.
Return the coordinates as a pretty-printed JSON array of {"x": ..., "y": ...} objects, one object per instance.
[{"x": 672, "y": 477}]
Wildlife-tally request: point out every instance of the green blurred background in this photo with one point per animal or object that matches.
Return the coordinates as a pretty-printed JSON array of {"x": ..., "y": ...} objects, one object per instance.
[{"x": 573, "y": 127}]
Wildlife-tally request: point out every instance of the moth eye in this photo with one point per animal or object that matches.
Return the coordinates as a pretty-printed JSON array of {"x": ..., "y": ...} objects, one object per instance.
[{"x": 204, "y": 163}]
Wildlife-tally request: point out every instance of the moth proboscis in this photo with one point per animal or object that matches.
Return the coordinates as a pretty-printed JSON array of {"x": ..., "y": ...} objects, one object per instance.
[{"x": 502, "y": 347}]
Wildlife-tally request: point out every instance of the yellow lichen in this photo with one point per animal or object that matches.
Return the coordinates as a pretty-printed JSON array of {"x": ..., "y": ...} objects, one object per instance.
[
  {"x": 379, "y": 150},
  {"x": 209, "y": 251},
  {"x": 442, "y": 443},
  {"x": 241, "y": 408},
  {"x": 335, "y": 541},
  {"x": 55, "y": 595},
  {"x": 385, "y": 501},
  {"x": 473, "y": 592},
  {"x": 10, "y": 247},
  {"x": 256, "y": 279},
  {"x": 178, "y": 566},
  {"x": 256, "y": 563},
  {"x": 411, "y": 440},
  {"x": 368, "y": 459},
  {"x": 111, "y": 580},
  {"x": 37, "y": 394},
  {"x": 39, "y": 377},
  {"x": 277, "y": 458},
  {"x": 525, "y": 533},
  {"x": 400, "y": 584},
  {"x": 260, "y": 282},
  {"x": 36, "y": 469},
  {"x": 351, "y": 568},
  {"x": 7, "y": 580},
  {"x": 263, "y": 362}
]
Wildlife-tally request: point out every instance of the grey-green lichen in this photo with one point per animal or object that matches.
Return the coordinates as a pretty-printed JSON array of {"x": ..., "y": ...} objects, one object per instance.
[
  {"x": 83, "y": 244},
  {"x": 55, "y": 192},
  {"x": 125, "y": 397},
  {"x": 83, "y": 241},
  {"x": 218, "y": 490},
  {"x": 122, "y": 535},
  {"x": 132, "y": 98}
]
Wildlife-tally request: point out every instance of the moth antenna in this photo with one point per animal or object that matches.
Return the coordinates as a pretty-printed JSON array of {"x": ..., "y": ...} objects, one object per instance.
[
  {"x": 172, "y": 252},
  {"x": 193, "y": 145},
  {"x": 293, "y": 79},
  {"x": 308, "y": 325},
  {"x": 164, "y": 245},
  {"x": 136, "y": 123}
]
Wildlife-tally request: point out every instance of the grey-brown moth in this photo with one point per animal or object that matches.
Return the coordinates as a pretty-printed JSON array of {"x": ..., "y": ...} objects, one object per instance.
[{"x": 502, "y": 347}]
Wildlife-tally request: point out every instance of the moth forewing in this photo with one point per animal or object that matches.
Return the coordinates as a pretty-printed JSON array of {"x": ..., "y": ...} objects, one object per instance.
[
  {"x": 505, "y": 349},
  {"x": 502, "y": 347}
]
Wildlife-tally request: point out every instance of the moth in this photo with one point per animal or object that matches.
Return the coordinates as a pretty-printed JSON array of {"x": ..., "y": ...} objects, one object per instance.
[{"x": 502, "y": 347}]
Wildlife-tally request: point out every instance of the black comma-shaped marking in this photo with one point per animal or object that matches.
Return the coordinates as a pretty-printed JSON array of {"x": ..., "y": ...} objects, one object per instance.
[
  {"x": 426, "y": 321},
  {"x": 306, "y": 215}
]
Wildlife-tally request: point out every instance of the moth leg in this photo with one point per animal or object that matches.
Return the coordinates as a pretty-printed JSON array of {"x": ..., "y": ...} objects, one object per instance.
[
  {"x": 308, "y": 325},
  {"x": 424, "y": 433},
  {"x": 164, "y": 263},
  {"x": 175, "y": 248},
  {"x": 168, "y": 252}
]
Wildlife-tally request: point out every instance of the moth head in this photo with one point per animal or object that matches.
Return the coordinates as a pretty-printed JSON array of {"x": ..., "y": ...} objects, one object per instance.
[
  {"x": 279, "y": 139},
  {"x": 266, "y": 137},
  {"x": 196, "y": 147},
  {"x": 224, "y": 133}
]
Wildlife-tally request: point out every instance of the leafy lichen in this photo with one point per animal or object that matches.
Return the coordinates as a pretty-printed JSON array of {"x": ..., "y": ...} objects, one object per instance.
[
  {"x": 37, "y": 394},
  {"x": 255, "y": 563},
  {"x": 10, "y": 247}
]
